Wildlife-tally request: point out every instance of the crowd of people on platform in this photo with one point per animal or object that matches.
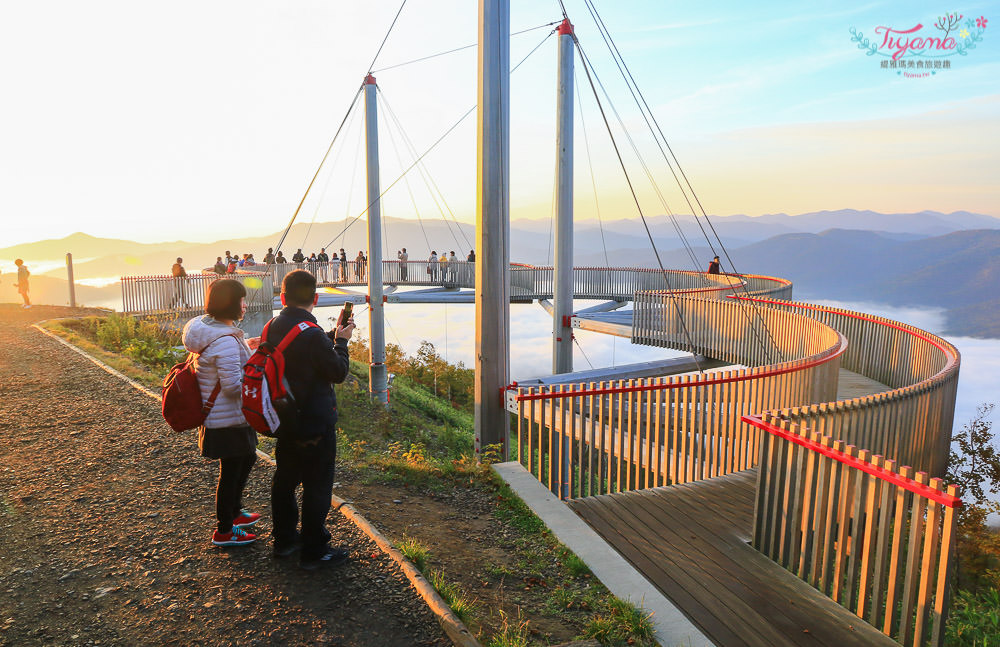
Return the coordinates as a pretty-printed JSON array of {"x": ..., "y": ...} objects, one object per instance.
[{"x": 446, "y": 268}]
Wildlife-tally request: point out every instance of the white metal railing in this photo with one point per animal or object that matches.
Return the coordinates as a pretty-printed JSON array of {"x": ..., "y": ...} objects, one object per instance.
[{"x": 185, "y": 296}]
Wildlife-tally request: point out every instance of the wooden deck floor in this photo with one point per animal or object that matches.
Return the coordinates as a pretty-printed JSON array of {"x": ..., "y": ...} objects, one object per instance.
[{"x": 690, "y": 541}]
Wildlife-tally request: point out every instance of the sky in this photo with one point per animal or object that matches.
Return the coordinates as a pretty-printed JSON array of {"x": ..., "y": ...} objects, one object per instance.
[{"x": 202, "y": 121}]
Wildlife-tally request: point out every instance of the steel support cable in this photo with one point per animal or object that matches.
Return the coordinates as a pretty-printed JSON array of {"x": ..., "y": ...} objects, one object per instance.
[
  {"x": 578, "y": 345},
  {"x": 642, "y": 216},
  {"x": 630, "y": 82},
  {"x": 388, "y": 31},
  {"x": 432, "y": 146},
  {"x": 329, "y": 177},
  {"x": 420, "y": 170},
  {"x": 427, "y": 176},
  {"x": 593, "y": 178},
  {"x": 459, "y": 49},
  {"x": 295, "y": 215},
  {"x": 649, "y": 174},
  {"x": 354, "y": 173},
  {"x": 409, "y": 189}
]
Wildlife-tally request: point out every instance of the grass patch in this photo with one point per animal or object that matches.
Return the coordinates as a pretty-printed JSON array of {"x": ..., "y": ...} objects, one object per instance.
[
  {"x": 511, "y": 632},
  {"x": 452, "y": 594},
  {"x": 415, "y": 552},
  {"x": 974, "y": 619},
  {"x": 81, "y": 333},
  {"x": 621, "y": 623}
]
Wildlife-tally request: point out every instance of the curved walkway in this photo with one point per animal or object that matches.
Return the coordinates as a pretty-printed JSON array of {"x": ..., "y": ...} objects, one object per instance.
[{"x": 104, "y": 522}]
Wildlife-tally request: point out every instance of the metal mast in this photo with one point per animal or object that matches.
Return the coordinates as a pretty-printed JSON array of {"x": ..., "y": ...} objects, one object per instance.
[
  {"x": 492, "y": 223},
  {"x": 562, "y": 297},
  {"x": 376, "y": 315}
]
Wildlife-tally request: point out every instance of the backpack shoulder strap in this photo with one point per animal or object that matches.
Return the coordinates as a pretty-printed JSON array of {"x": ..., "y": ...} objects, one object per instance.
[
  {"x": 296, "y": 330},
  {"x": 215, "y": 340}
]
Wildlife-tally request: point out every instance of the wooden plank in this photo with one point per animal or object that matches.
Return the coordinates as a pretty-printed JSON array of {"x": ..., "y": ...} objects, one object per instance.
[{"x": 675, "y": 584}]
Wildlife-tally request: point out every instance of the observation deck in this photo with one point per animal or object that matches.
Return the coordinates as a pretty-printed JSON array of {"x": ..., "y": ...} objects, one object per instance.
[{"x": 836, "y": 486}]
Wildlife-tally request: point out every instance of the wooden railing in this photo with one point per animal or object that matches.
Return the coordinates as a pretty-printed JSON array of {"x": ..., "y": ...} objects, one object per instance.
[
  {"x": 912, "y": 420},
  {"x": 185, "y": 296},
  {"x": 586, "y": 439},
  {"x": 873, "y": 536}
]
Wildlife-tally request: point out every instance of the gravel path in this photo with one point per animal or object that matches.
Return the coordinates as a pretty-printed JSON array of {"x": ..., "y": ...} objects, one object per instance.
[{"x": 105, "y": 519}]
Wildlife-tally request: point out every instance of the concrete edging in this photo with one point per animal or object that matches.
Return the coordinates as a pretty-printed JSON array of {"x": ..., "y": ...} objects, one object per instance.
[
  {"x": 453, "y": 627},
  {"x": 671, "y": 627}
]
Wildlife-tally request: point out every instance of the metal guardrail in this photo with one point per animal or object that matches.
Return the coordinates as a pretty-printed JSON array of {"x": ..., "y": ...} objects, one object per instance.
[
  {"x": 863, "y": 531},
  {"x": 185, "y": 296}
]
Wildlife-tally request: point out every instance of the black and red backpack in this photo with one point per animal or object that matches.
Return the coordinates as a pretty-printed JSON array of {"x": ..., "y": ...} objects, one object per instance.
[
  {"x": 182, "y": 406},
  {"x": 267, "y": 398}
]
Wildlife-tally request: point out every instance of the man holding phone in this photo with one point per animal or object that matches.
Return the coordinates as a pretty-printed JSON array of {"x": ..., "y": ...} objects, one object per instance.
[{"x": 306, "y": 449}]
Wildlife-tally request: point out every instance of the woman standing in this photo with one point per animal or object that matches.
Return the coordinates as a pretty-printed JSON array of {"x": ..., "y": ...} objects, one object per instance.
[
  {"x": 432, "y": 266},
  {"x": 225, "y": 436}
]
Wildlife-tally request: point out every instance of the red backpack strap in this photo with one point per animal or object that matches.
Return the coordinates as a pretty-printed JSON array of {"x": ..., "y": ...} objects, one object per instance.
[
  {"x": 296, "y": 330},
  {"x": 205, "y": 408}
]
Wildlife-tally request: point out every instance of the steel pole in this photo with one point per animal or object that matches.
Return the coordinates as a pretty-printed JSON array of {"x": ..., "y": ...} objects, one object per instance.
[
  {"x": 492, "y": 224},
  {"x": 376, "y": 315},
  {"x": 562, "y": 297},
  {"x": 69, "y": 277}
]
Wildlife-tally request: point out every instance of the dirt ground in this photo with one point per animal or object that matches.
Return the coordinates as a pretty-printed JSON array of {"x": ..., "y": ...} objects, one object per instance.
[{"x": 105, "y": 519}]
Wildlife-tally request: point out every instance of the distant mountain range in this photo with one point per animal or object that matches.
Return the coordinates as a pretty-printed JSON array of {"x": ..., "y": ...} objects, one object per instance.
[{"x": 927, "y": 258}]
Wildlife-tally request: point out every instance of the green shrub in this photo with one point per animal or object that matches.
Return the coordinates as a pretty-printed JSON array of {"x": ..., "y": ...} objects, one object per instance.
[{"x": 974, "y": 620}]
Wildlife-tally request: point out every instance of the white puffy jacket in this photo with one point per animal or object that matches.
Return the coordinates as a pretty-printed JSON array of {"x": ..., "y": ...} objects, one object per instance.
[{"x": 222, "y": 361}]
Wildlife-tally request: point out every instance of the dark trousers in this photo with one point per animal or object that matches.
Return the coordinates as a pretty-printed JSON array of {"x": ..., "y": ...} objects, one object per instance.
[
  {"x": 312, "y": 467},
  {"x": 233, "y": 474}
]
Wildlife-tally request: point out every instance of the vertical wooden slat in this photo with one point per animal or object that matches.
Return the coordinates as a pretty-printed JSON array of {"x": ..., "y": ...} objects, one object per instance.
[
  {"x": 893, "y": 589},
  {"x": 912, "y": 565},
  {"x": 928, "y": 565},
  {"x": 939, "y": 614}
]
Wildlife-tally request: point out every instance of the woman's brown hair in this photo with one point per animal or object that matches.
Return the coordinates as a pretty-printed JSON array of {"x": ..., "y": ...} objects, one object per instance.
[{"x": 223, "y": 300}]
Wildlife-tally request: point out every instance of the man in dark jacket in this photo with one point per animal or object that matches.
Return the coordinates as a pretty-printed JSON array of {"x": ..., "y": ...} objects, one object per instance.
[{"x": 307, "y": 442}]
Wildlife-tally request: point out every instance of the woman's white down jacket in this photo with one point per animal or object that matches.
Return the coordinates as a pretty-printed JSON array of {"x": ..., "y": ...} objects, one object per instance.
[{"x": 223, "y": 360}]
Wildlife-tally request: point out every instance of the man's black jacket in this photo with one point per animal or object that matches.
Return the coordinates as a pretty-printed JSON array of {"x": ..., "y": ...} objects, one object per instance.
[{"x": 313, "y": 364}]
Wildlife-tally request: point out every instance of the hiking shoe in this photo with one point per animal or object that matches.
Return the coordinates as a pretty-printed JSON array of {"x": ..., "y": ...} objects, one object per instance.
[
  {"x": 331, "y": 557},
  {"x": 235, "y": 537},
  {"x": 246, "y": 519},
  {"x": 287, "y": 550}
]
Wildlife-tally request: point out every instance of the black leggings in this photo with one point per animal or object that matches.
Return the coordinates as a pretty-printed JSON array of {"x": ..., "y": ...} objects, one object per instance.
[{"x": 233, "y": 474}]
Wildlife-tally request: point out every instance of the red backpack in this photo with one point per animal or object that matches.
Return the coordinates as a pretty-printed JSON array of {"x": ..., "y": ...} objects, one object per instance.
[
  {"x": 182, "y": 406},
  {"x": 266, "y": 394}
]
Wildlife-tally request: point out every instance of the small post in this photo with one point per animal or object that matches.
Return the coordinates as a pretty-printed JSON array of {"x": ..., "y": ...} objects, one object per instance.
[{"x": 69, "y": 277}]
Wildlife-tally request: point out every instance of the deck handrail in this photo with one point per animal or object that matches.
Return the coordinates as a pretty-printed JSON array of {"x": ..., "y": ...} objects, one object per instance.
[{"x": 865, "y": 533}]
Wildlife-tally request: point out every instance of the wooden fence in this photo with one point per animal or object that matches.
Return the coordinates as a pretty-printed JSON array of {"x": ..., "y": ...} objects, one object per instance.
[
  {"x": 874, "y": 537},
  {"x": 912, "y": 420},
  {"x": 595, "y": 438}
]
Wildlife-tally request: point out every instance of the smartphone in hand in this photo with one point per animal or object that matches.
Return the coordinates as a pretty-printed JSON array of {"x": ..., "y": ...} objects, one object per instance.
[{"x": 345, "y": 314}]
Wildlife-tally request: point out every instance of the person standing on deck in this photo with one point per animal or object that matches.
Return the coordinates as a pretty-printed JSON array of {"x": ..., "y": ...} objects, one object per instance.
[
  {"x": 298, "y": 257},
  {"x": 323, "y": 260},
  {"x": 219, "y": 267},
  {"x": 403, "y": 258},
  {"x": 180, "y": 283},
  {"x": 444, "y": 267},
  {"x": 343, "y": 264},
  {"x": 713, "y": 267},
  {"x": 269, "y": 257},
  {"x": 22, "y": 282},
  {"x": 432, "y": 266}
]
